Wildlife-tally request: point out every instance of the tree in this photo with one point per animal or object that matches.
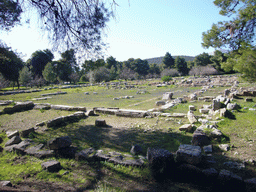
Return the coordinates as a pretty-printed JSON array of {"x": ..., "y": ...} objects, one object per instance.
[
  {"x": 168, "y": 61},
  {"x": 9, "y": 14},
  {"x": 217, "y": 59},
  {"x": 64, "y": 70},
  {"x": 69, "y": 57},
  {"x": 241, "y": 28},
  {"x": 154, "y": 69},
  {"x": 49, "y": 72},
  {"x": 140, "y": 66},
  {"x": 243, "y": 61},
  {"x": 111, "y": 61},
  {"x": 25, "y": 76},
  {"x": 70, "y": 24},
  {"x": 202, "y": 59},
  {"x": 38, "y": 61},
  {"x": 10, "y": 64},
  {"x": 246, "y": 64},
  {"x": 238, "y": 35},
  {"x": 74, "y": 77},
  {"x": 181, "y": 65}
]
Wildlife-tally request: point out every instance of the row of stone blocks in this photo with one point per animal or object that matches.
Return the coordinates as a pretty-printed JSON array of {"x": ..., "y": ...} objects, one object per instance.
[
  {"x": 122, "y": 112},
  {"x": 28, "y": 105},
  {"x": 162, "y": 163}
]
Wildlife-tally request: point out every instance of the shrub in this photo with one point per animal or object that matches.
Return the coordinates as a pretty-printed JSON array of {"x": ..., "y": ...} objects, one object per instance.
[
  {"x": 170, "y": 72},
  {"x": 203, "y": 70},
  {"x": 166, "y": 78},
  {"x": 99, "y": 75}
]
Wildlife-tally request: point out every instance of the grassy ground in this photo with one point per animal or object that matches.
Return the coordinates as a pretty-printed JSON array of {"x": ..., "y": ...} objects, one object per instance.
[{"x": 119, "y": 136}]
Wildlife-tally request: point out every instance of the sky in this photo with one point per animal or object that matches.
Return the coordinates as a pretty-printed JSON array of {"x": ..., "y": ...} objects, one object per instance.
[{"x": 141, "y": 29}]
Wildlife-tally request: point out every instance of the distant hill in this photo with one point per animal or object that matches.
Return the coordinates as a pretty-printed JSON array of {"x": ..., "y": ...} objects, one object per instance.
[{"x": 158, "y": 60}]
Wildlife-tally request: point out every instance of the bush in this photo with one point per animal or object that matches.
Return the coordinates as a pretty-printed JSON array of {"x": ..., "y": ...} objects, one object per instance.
[
  {"x": 166, "y": 78},
  {"x": 170, "y": 72},
  {"x": 203, "y": 70},
  {"x": 99, "y": 75}
]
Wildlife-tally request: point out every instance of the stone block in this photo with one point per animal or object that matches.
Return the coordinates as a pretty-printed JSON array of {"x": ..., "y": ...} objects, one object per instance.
[
  {"x": 25, "y": 133},
  {"x": 86, "y": 154},
  {"x": 12, "y": 134},
  {"x": 100, "y": 123},
  {"x": 199, "y": 138},
  {"x": 167, "y": 96},
  {"x": 51, "y": 166},
  {"x": 58, "y": 143},
  {"x": 136, "y": 150},
  {"x": 189, "y": 173},
  {"x": 67, "y": 152},
  {"x": 186, "y": 127},
  {"x": 189, "y": 154},
  {"x": 192, "y": 108},
  {"x": 250, "y": 184},
  {"x": 191, "y": 117},
  {"x": 161, "y": 162},
  {"x": 13, "y": 140},
  {"x": 160, "y": 103}
]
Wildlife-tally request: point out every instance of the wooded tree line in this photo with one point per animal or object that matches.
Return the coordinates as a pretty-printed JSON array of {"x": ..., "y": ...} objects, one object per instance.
[
  {"x": 41, "y": 69},
  {"x": 78, "y": 25}
]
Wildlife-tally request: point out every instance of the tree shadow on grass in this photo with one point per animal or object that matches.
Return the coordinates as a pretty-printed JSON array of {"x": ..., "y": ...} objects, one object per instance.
[{"x": 121, "y": 140}]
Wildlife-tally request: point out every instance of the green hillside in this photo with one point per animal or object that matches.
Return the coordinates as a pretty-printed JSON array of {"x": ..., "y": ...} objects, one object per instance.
[{"x": 158, "y": 60}]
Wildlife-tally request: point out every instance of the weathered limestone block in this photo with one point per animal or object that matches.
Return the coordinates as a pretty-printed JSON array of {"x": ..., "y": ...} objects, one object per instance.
[
  {"x": 204, "y": 111},
  {"x": 100, "y": 122},
  {"x": 32, "y": 150},
  {"x": 207, "y": 149},
  {"x": 58, "y": 143},
  {"x": 192, "y": 97},
  {"x": 90, "y": 113},
  {"x": 160, "y": 103},
  {"x": 67, "y": 152},
  {"x": 44, "y": 154},
  {"x": 232, "y": 106},
  {"x": 189, "y": 154},
  {"x": 132, "y": 113},
  {"x": 186, "y": 127},
  {"x": 223, "y": 112},
  {"x": 160, "y": 161},
  {"x": 136, "y": 150},
  {"x": 20, "y": 148},
  {"x": 12, "y": 134},
  {"x": 250, "y": 184},
  {"x": 189, "y": 173},
  {"x": 216, "y": 133},
  {"x": 55, "y": 122},
  {"x": 25, "y": 133},
  {"x": 105, "y": 110},
  {"x": 167, "y": 96},
  {"x": 248, "y": 100},
  {"x": 13, "y": 140},
  {"x": 216, "y": 104},
  {"x": 6, "y": 184},
  {"x": 226, "y": 92},
  {"x": 192, "y": 108},
  {"x": 86, "y": 154},
  {"x": 199, "y": 138},
  {"x": 224, "y": 147},
  {"x": 51, "y": 166},
  {"x": 19, "y": 106},
  {"x": 230, "y": 181},
  {"x": 191, "y": 117}
]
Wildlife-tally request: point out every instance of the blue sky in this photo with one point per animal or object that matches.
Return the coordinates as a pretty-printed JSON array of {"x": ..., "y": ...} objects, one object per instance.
[{"x": 142, "y": 29}]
